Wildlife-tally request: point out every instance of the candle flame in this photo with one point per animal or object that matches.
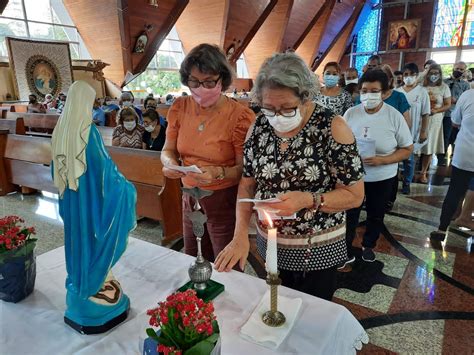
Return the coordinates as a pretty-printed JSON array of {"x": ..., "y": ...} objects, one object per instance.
[{"x": 269, "y": 219}]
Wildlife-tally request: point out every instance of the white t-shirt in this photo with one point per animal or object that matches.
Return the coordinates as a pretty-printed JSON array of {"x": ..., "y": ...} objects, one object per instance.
[
  {"x": 419, "y": 101},
  {"x": 389, "y": 130},
  {"x": 463, "y": 115}
]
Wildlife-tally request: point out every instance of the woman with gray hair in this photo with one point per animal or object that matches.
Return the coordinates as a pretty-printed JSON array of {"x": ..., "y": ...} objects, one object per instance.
[{"x": 305, "y": 156}]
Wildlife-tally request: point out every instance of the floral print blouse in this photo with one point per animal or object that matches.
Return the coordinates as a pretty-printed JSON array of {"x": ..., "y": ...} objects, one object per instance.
[{"x": 315, "y": 162}]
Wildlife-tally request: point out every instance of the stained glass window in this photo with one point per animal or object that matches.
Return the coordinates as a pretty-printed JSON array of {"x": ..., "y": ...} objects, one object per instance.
[
  {"x": 367, "y": 39},
  {"x": 450, "y": 21}
]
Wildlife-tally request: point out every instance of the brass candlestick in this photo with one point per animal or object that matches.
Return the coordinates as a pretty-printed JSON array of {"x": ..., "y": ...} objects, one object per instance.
[{"x": 273, "y": 317}]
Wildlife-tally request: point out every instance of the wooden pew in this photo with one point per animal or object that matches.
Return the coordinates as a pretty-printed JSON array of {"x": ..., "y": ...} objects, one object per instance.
[
  {"x": 163, "y": 109},
  {"x": 4, "y": 111},
  {"x": 37, "y": 122},
  {"x": 106, "y": 133},
  {"x": 25, "y": 161},
  {"x": 13, "y": 125}
]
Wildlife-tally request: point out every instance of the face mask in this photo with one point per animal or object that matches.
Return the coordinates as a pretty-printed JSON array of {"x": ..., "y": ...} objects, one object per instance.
[
  {"x": 371, "y": 100},
  {"x": 285, "y": 124},
  {"x": 127, "y": 103},
  {"x": 352, "y": 81},
  {"x": 331, "y": 80},
  {"x": 130, "y": 125},
  {"x": 409, "y": 80},
  {"x": 457, "y": 74},
  {"x": 206, "y": 97},
  {"x": 434, "y": 78},
  {"x": 149, "y": 128},
  {"x": 399, "y": 81}
]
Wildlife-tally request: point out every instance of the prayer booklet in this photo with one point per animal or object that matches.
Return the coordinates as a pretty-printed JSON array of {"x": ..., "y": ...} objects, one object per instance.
[
  {"x": 366, "y": 147},
  {"x": 185, "y": 169}
]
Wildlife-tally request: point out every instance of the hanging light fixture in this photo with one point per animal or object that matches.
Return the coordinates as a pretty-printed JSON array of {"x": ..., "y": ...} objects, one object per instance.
[{"x": 153, "y": 3}]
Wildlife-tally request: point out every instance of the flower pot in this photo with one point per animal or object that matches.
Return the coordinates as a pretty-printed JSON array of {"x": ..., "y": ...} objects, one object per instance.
[
  {"x": 17, "y": 273},
  {"x": 150, "y": 346}
]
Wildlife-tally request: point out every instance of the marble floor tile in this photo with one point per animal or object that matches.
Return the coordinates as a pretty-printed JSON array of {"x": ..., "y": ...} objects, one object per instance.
[
  {"x": 379, "y": 298},
  {"x": 435, "y": 259},
  {"x": 419, "y": 337}
]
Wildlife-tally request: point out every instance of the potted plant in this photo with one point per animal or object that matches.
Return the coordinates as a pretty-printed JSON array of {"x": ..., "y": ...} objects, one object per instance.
[
  {"x": 17, "y": 259},
  {"x": 187, "y": 325}
]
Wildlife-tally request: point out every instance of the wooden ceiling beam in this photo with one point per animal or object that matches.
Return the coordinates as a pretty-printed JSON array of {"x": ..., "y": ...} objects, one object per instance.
[
  {"x": 308, "y": 44},
  {"x": 244, "y": 19},
  {"x": 336, "y": 49}
]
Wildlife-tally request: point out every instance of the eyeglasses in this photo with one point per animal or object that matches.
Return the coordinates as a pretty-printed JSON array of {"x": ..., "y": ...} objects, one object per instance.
[
  {"x": 285, "y": 112},
  {"x": 208, "y": 84}
]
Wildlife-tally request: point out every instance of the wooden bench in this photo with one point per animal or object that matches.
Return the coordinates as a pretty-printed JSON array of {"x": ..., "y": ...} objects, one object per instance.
[
  {"x": 25, "y": 161},
  {"x": 37, "y": 122},
  {"x": 13, "y": 125},
  {"x": 106, "y": 133}
]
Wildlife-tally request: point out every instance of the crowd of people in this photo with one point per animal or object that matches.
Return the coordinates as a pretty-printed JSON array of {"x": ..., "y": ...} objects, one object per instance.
[{"x": 323, "y": 152}]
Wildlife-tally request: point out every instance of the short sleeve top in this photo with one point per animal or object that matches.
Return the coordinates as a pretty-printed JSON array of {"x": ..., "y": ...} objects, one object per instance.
[
  {"x": 313, "y": 162},
  {"x": 399, "y": 101},
  {"x": 209, "y": 137},
  {"x": 158, "y": 142},
  {"x": 438, "y": 94}
]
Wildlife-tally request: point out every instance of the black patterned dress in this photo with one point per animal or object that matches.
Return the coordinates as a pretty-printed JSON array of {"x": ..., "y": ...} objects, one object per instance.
[{"x": 313, "y": 162}]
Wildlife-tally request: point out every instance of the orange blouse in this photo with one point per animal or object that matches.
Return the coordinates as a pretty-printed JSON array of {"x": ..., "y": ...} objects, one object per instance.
[{"x": 209, "y": 137}]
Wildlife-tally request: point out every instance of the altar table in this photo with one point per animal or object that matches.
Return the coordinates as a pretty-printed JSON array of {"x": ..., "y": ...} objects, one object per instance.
[{"x": 148, "y": 273}]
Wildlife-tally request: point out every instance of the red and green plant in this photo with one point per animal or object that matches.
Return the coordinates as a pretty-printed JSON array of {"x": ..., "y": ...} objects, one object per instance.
[
  {"x": 14, "y": 235},
  {"x": 187, "y": 325}
]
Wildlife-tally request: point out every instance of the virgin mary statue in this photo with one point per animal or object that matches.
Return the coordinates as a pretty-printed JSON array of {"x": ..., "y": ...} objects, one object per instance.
[{"x": 97, "y": 205}]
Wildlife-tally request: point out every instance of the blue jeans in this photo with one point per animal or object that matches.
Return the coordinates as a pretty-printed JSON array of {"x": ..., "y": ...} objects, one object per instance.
[{"x": 408, "y": 169}]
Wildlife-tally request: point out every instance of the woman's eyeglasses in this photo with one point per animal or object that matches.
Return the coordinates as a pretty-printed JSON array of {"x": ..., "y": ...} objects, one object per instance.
[
  {"x": 285, "y": 112},
  {"x": 208, "y": 84}
]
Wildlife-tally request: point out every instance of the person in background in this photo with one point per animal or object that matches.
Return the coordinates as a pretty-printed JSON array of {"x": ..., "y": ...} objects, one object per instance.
[
  {"x": 49, "y": 102},
  {"x": 465, "y": 218},
  {"x": 207, "y": 129},
  {"x": 169, "y": 99},
  {"x": 426, "y": 67},
  {"x": 235, "y": 93},
  {"x": 471, "y": 77},
  {"x": 457, "y": 87},
  {"x": 467, "y": 76},
  {"x": 398, "y": 79},
  {"x": 303, "y": 154},
  {"x": 126, "y": 100},
  {"x": 440, "y": 101},
  {"x": 61, "y": 102},
  {"x": 128, "y": 133},
  {"x": 420, "y": 110},
  {"x": 332, "y": 95},
  {"x": 155, "y": 130},
  {"x": 396, "y": 98},
  {"x": 374, "y": 62},
  {"x": 374, "y": 119},
  {"x": 107, "y": 106},
  {"x": 34, "y": 106},
  {"x": 184, "y": 93},
  {"x": 351, "y": 79},
  {"x": 462, "y": 172},
  {"x": 150, "y": 103},
  {"x": 98, "y": 115}
]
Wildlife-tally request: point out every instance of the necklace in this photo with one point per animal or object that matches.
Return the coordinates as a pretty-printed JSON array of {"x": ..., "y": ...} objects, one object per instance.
[{"x": 202, "y": 125}]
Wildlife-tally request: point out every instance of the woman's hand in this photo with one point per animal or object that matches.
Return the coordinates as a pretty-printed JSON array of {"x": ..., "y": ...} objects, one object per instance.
[
  {"x": 423, "y": 136},
  {"x": 236, "y": 251},
  {"x": 209, "y": 174},
  {"x": 291, "y": 202},
  {"x": 170, "y": 173},
  {"x": 374, "y": 161}
]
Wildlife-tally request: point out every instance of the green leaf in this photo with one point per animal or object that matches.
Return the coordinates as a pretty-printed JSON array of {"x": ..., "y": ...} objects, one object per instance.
[
  {"x": 213, "y": 338},
  {"x": 152, "y": 334},
  {"x": 202, "y": 348},
  {"x": 165, "y": 341},
  {"x": 215, "y": 327}
]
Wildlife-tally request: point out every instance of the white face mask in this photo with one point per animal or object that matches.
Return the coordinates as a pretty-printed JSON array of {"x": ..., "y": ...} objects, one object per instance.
[
  {"x": 127, "y": 103},
  {"x": 371, "y": 100},
  {"x": 129, "y": 125},
  {"x": 285, "y": 124},
  {"x": 409, "y": 80},
  {"x": 352, "y": 81},
  {"x": 149, "y": 128}
]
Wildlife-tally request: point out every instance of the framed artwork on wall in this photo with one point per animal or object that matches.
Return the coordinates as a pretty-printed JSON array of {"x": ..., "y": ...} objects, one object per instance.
[
  {"x": 403, "y": 35},
  {"x": 142, "y": 41},
  {"x": 40, "y": 67}
]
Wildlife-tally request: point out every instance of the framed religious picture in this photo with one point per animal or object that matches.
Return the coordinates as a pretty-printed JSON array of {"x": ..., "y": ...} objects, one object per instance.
[
  {"x": 403, "y": 34},
  {"x": 40, "y": 67},
  {"x": 142, "y": 41}
]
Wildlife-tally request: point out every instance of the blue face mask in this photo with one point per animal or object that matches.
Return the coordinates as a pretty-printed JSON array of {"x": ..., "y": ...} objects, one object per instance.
[{"x": 331, "y": 80}]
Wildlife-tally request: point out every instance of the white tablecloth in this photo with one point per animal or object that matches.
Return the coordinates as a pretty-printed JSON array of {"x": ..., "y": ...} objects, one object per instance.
[{"x": 148, "y": 273}]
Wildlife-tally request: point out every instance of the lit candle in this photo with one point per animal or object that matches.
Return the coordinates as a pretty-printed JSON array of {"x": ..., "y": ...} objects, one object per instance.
[{"x": 271, "y": 257}]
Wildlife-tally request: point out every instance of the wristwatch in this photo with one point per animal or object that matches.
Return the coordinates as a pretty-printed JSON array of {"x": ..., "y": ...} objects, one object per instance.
[{"x": 221, "y": 176}]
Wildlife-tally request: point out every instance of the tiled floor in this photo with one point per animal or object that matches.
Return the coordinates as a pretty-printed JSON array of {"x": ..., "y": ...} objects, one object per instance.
[{"x": 417, "y": 298}]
